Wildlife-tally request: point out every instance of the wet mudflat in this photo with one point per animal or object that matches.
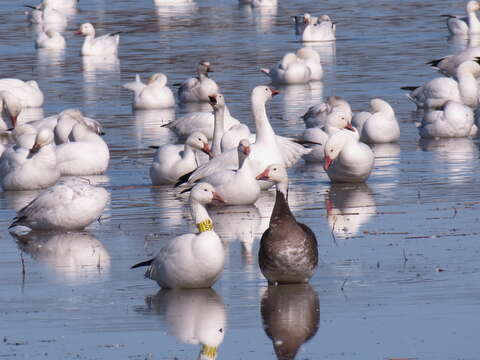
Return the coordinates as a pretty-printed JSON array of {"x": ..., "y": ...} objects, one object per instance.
[{"x": 399, "y": 273}]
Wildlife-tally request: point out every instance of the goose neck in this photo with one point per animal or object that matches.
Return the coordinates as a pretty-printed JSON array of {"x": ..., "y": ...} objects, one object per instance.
[
  {"x": 218, "y": 130},
  {"x": 199, "y": 213},
  {"x": 262, "y": 124}
]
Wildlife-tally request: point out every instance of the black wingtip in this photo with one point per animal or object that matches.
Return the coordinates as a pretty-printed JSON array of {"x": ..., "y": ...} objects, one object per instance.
[
  {"x": 183, "y": 179},
  {"x": 177, "y": 84},
  {"x": 306, "y": 142},
  {"x": 31, "y": 7},
  {"x": 448, "y": 16},
  {"x": 153, "y": 147},
  {"x": 143, "y": 263},
  {"x": 186, "y": 190},
  {"x": 409, "y": 88},
  {"x": 435, "y": 62},
  {"x": 116, "y": 33}
]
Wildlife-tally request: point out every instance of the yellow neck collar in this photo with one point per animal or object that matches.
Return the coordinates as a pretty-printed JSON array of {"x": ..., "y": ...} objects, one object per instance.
[
  {"x": 205, "y": 225},
  {"x": 209, "y": 351}
]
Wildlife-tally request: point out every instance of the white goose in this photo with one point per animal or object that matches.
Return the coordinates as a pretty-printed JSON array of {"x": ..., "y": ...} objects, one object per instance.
[
  {"x": 69, "y": 205},
  {"x": 50, "y": 39},
  {"x": 237, "y": 187},
  {"x": 173, "y": 161},
  {"x": 155, "y": 94},
  {"x": 454, "y": 120},
  {"x": 30, "y": 169},
  {"x": 448, "y": 65},
  {"x": 267, "y": 149},
  {"x": 465, "y": 25},
  {"x": 10, "y": 107},
  {"x": 27, "y": 92},
  {"x": 311, "y": 58},
  {"x": 323, "y": 30},
  {"x": 301, "y": 21},
  {"x": 347, "y": 159},
  {"x": 198, "y": 89},
  {"x": 85, "y": 154},
  {"x": 317, "y": 115},
  {"x": 191, "y": 260},
  {"x": 436, "y": 92},
  {"x": 289, "y": 70},
  {"x": 106, "y": 45},
  {"x": 47, "y": 14},
  {"x": 378, "y": 126}
]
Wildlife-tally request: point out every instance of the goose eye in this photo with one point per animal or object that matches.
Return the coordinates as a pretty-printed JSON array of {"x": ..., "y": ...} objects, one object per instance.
[{"x": 205, "y": 190}]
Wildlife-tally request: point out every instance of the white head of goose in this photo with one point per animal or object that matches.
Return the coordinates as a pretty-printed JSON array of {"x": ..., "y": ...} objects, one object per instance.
[{"x": 278, "y": 262}]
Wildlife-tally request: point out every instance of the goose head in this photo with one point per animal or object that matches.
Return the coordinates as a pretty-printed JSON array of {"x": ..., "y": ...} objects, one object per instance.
[
  {"x": 199, "y": 141},
  {"x": 12, "y": 105},
  {"x": 274, "y": 172},
  {"x": 336, "y": 143},
  {"x": 288, "y": 59},
  {"x": 324, "y": 18},
  {"x": 264, "y": 93},
  {"x": 307, "y": 53},
  {"x": 86, "y": 29},
  {"x": 44, "y": 137},
  {"x": 473, "y": 6},
  {"x": 472, "y": 67},
  {"x": 340, "y": 120},
  {"x": 379, "y": 105},
  {"x": 204, "y": 67},
  {"x": 158, "y": 78},
  {"x": 216, "y": 101},
  {"x": 243, "y": 151},
  {"x": 204, "y": 193}
]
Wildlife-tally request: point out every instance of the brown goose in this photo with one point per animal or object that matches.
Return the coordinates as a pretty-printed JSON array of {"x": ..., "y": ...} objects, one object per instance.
[{"x": 288, "y": 249}]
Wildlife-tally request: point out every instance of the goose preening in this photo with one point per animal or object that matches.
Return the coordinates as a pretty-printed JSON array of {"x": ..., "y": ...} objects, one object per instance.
[
  {"x": 300, "y": 22},
  {"x": 379, "y": 125},
  {"x": 321, "y": 29},
  {"x": 434, "y": 93},
  {"x": 72, "y": 204},
  {"x": 197, "y": 89},
  {"x": 171, "y": 161},
  {"x": 237, "y": 187},
  {"x": 50, "y": 39},
  {"x": 291, "y": 317},
  {"x": 85, "y": 154},
  {"x": 75, "y": 257},
  {"x": 105, "y": 45},
  {"x": 346, "y": 158},
  {"x": 465, "y": 25},
  {"x": 318, "y": 115},
  {"x": 267, "y": 149},
  {"x": 190, "y": 261},
  {"x": 448, "y": 65},
  {"x": 299, "y": 68},
  {"x": 10, "y": 109},
  {"x": 30, "y": 169},
  {"x": 453, "y": 120},
  {"x": 155, "y": 94},
  {"x": 27, "y": 92},
  {"x": 193, "y": 316},
  {"x": 288, "y": 249}
]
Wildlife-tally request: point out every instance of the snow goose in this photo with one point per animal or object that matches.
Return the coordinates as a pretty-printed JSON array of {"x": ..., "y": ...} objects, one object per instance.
[
  {"x": 311, "y": 58},
  {"x": 237, "y": 187},
  {"x": 288, "y": 249},
  {"x": 193, "y": 316},
  {"x": 317, "y": 115},
  {"x": 155, "y": 94},
  {"x": 27, "y": 92},
  {"x": 378, "y": 126},
  {"x": 50, "y": 39},
  {"x": 198, "y": 89},
  {"x": 465, "y": 25},
  {"x": 173, "y": 161},
  {"x": 224, "y": 140},
  {"x": 85, "y": 154},
  {"x": 267, "y": 149},
  {"x": 463, "y": 89},
  {"x": 323, "y": 30},
  {"x": 448, "y": 64},
  {"x": 10, "y": 107},
  {"x": 289, "y": 70},
  {"x": 72, "y": 204},
  {"x": 191, "y": 261},
  {"x": 454, "y": 120},
  {"x": 301, "y": 21},
  {"x": 106, "y": 45},
  {"x": 346, "y": 158},
  {"x": 291, "y": 317},
  {"x": 30, "y": 169},
  {"x": 46, "y": 14}
]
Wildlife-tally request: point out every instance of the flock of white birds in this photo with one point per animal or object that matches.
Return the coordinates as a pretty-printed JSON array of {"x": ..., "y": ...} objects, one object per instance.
[{"x": 221, "y": 159}]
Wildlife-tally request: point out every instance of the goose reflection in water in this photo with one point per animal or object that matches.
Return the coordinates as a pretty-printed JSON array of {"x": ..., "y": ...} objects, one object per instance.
[
  {"x": 149, "y": 130},
  {"x": 77, "y": 257},
  {"x": 349, "y": 206},
  {"x": 195, "y": 316},
  {"x": 291, "y": 315},
  {"x": 262, "y": 12}
]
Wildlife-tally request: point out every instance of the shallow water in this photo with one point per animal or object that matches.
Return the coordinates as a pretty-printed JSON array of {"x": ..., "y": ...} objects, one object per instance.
[{"x": 399, "y": 274}]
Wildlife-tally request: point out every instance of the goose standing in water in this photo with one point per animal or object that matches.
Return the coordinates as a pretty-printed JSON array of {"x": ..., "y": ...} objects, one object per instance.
[
  {"x": 323, "y": 30},
  {"x": 346, "y": 158},
  {"x": 317, "y": 115},
  {"x": 69, "y": 205},
  {"x": 155, "y": 94},
  {"x": 197, "y": 89},
  {"x": 289, "y": 70},
  {"x": 190, "y": 261},
  {"x": 465, "y": 25},
  {"x": 106, "y": 45},
  {"x": 288, "y": 249},
  {"x": 379, "y": 125},
  {"x": 173, "y": 161}
]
